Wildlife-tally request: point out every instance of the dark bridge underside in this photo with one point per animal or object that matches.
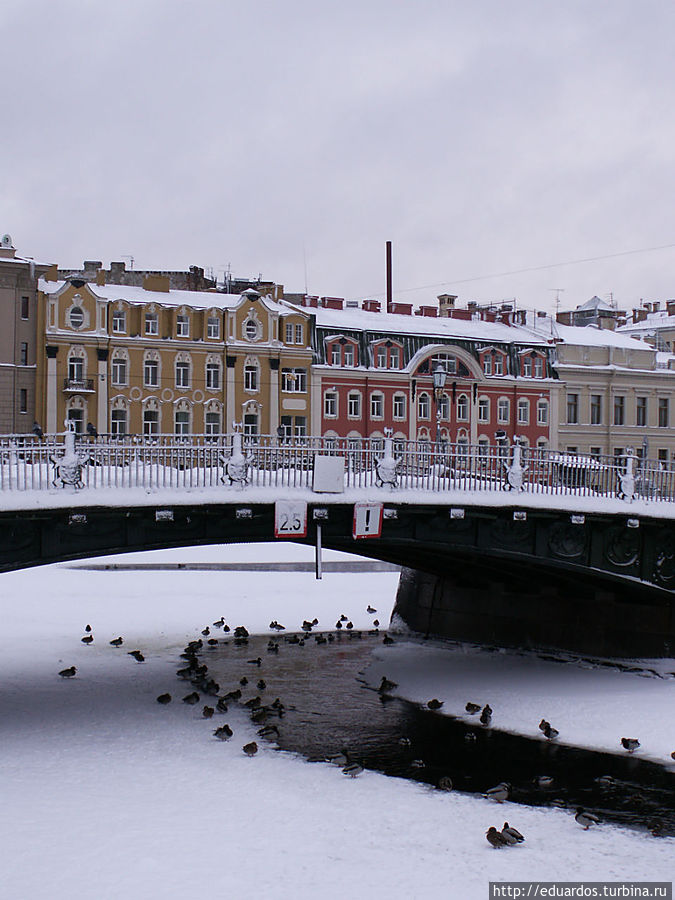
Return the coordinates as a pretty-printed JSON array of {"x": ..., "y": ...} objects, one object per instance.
[{"x": 598, "y": 586}]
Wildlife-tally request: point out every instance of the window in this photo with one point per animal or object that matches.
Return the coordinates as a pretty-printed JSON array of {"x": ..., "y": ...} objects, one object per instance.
[
  {"x": 151, "y": 323},
  {"x": 182, "y": 326},
  {"x": 394, "y": 358},
  {"x": 596, "y": 409},
  {"x": 182, "y": 422},
  {"x": 76, "y": 416},
  {"x": 151, "y": 373},
  {"x": 299, "y": 337},
  {"x": 662, "y": 455},
  {"x": 349, "y": 354},
  {"x": 294, "y": 427},
  {"x": 24, "y": 353},
  {"x": 618, "y": 453},
  {"x": 483, "y": 409},
  {"x": 462, "y": 408},
  {"x": 354, "y": 406},
  {"x": 376, "y": 406},
  {"x": 641, "y": 411},
  {"x": 119, "y": 322},
  {"x": 150, "y": 421},
  {"x": 335, "y": 355},
  {"x": 381, "y": 357},
  {"x": 483, "y": 448},
  {"x": 23, "y": 400},
  {"x": 538, "y": 367},
  {"x": 250, "y": 377},
  {"x": 294, "y": 381},
  {"x": 487, "y": 364},
  {"x": 76, "y": 317},
  {"x": 289, "y": 333},
  {"x": 251, "y": 332},
  {"x": 300, "y": 426},
  {"x": 213, "y": 376},
  {"x": 523, "y": 411},
  {"x": 527, "y": 366},
  {"x": 423, "y": 406},
  {"x": 619, "y": 410},
  {"x": 119, "y": 370},
  {"x": 542, "y": 412},
  {"x": 251, "y": 425},
  {"x": 449, "y": 363},
  {"x": 499, "y": 364},
  {"x": 330, "y": 401},
  {"x": 76, "y": 368},
  {"x": 572, "y": 409},
  {"x": 503, "y": 410},
  {"x": 24, "y": 307},
  {"x": 212, "y": 423},
  {"x": 399, "y": 406},
  {"x": 595, "y": 452},
  {"x": 118, "y": 421},
  {"x": 663, "y": 412},
  {"x": 182, "y": 375},
  {"x": 213, "y": 328},
  {"x": 444, "y": 407}
]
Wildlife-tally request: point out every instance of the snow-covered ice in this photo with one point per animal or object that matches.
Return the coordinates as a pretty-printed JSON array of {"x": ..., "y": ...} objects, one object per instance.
[{"x": 106, "y": 794}]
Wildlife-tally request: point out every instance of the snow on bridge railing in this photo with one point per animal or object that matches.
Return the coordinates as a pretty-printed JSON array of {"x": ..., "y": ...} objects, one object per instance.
[{"x": 29, "y": 463}]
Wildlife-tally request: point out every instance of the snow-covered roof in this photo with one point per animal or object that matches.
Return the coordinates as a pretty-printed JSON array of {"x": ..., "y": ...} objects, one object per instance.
[
  {"x": 592, "y": 336},
  {"x": 594, "y": 303},
  {"x": 135, "y": 294},
  {"x": 393, "y": 323},
  {"x": 653, "y": 322}
]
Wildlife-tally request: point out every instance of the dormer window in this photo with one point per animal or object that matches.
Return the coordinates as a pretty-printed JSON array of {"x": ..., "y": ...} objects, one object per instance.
[
  {"x": 76, "y": 317},
  {"x": 538, "y": 367},
  {"x": 119, "y": 321},
  {"x": 381, "y": 357},
  {"x": 348, "y": 351},
  {"x": 151, "y": 324},
  {"x": 336, "y": 355},
  {"x": 182, "y": 326},
  {"x": 213, "y": 327}
]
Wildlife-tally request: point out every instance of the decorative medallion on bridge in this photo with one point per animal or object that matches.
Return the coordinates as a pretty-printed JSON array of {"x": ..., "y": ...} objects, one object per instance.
[
  {"x": 511, "y": 534},
  {"x": 68, "y": 467},
  {"x": 664, "y": 566},
  {"x": 237, "y": 463},
  {"x": 567, "y": 541},
  {"x": 515, "y": 470},
  {"x": 622, "y": 546},
  {"x": 386, "y": 467},
  {"x": 627, "y": 477}
]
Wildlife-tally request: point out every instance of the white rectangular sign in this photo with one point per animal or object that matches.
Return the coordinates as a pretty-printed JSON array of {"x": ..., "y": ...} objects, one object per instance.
[
  {"x": 290, "y": 519},
  {"x": 367, "y": 520},
  {"x": 329, "y": 474}
]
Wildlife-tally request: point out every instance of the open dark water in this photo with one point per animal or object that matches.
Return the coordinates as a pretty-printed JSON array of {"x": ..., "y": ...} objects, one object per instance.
[{"x": 329, "y": 708}]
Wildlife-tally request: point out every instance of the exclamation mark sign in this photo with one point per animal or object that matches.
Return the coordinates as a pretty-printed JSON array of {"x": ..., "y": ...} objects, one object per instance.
[{"x": 367, "y": 522}]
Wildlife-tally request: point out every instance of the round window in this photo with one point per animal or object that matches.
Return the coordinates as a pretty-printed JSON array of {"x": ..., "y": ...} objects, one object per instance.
[
  {"x": 251, "y": 330},
  {"x": 76, "y": 317}
]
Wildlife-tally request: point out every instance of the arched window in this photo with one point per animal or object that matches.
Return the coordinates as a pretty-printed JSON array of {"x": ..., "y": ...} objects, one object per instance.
[
  {"x": 119, "y": 367},
  {"x": 354, "y": 405},
  {"x": 151, "y": 417},
  {"x": 503, "y": 410},
  {"x": 542, "y": 412},
  {"x": 212, "y": 373},
  {"x": 377, "y": 406},
  {"x": 400, "y": 407},
  {"x": 423, "y": 406},
  {"x": 462, "y": 408},
  {"x": 119, "y": 417},
  {"x": 213, "y": 418},
  {"x": 523, "y": 411},
  {"x": 444, "y": 407},
  {"x": 77, "y": 369},
  {"x": 483, "y": 409},
  {"x": 183, "y": 368},
  {"x": 182, "y": 417}
]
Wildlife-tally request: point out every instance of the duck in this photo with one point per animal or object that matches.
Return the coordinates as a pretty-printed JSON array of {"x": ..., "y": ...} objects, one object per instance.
[
  {"x": 512, "y": 835},
  {"x": 338, "y": 624},
  {"x": 88, "y": 639},
  {"x": 500, "y": 792},
  {"x": 486, "y": 715},
  {"x": 543, "y": 725},
  {"x": 434, "y": 704},
  {"x": 250, "y": 749},
  {"x": 224, "y": 732},
  {"x": 164, "y": 699},
  {"x": 191, "y": 699},
  {"x": 206, "y": 631},
  {"x": 219, "y": 623},
  {"x": 543, "y": 781},
  {"x": 221, "y": 705},
  {"x": 370, "y": 609},
  {"x": 256, "y": 662},
  {"x": 352, "y": 769},
  {"x": 550, "y": 732},
  {"x": 444, "y": 783},
  {"x": 69, "y": 672},
  {"x": 376, "y": 623},
  {"x": 585, "y": 819},
  {"x": 473, "y": 708},
  {"x": 243, "y": 681},
  {"x": 343, "y": 618},
  {"x": 417, "y": 764},
  {"x": 629, "y": 744},
  {"x": 87, "y": 628},
  {"x": 137, "y": 655},
  {"x": 261, "y": 685},
  {"x": 279, "y": 706},
  {"x": 339, "y": 759},
  {"x": 259, "y": 715},
  {"x": 241, "y": 632},
  {"x": 207, "y": 712},
  {"x": 405, "y": 742},
  {"x": 387, "y": 640},
  {"x": 253, "y": 703},
  {"x": 672, "y": 755},
  {"x": 232, "y": 695},
  {"x": 272, "y": 647},
  {"x": 212, "y": 642},
  {"x": 386, "y": 685},
  {"x": 117, "y": 642},
  {"x": 307, "y": 626},
  {"x": 349, "y": 626},
  {"x": 268, "y": 730},
  {"x": 496, "y": 838},
  {"x": 470, "y": 737}
]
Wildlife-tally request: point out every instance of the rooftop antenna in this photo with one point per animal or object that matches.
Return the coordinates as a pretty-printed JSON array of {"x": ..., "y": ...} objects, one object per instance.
[
  {"x": 130, "y": 258},
  {"x": 389, "y": 298},
  {"x": 558, "y": 292},
  {"x": 304, "y": 261}
]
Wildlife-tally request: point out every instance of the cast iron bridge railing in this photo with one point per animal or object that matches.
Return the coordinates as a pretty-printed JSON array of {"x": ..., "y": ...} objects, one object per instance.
[{"x": 151, "y": 463}]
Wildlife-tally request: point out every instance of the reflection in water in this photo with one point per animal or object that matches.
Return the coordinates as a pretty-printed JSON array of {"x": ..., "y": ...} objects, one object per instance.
[{"x": 328, "y": 708}]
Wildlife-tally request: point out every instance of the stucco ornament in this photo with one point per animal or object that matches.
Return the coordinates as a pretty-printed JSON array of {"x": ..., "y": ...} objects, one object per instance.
[
  {"x": 237, "y": 463},
  {"x": 68, "y": 467},
  {"x": 627, "y": 477},
  {"x": 515, "y": 470},
  {"x": 386, "y": 467}
]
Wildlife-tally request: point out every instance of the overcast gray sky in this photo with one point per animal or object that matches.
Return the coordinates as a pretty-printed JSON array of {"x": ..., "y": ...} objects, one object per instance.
[{"x": 480, "y": 138}]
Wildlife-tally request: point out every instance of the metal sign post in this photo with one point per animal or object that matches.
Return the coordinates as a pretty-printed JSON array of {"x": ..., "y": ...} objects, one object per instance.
[{"x": 317, "y": 554}]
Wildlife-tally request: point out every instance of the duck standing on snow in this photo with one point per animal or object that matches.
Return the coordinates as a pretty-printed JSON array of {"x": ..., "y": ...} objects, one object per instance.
[
  {"x": 512, "y": 835},
  {"x": 250, "y": 749},
  {"x": 435, "y": 704},
  {"x": 68, "y": 673},
  {"x": 486, "y": 715},
  {"x": 630, "y": 744},
  {"x": 500, "y": 792},
  {"x": 495, "y": 838},
  {"x": 585, "y": 819},
  {"x": 472, "y": 708}
]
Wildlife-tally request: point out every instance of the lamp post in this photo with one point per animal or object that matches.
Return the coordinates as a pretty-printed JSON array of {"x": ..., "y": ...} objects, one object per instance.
[{"x": 440, "y": 376}]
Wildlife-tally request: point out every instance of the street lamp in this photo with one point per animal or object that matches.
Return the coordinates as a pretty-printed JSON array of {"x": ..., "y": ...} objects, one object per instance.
[{"x": 440, "y": 376}]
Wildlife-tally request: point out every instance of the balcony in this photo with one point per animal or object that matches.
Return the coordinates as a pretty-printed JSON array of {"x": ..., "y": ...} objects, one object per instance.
[{"x": 79, "y": 384}]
